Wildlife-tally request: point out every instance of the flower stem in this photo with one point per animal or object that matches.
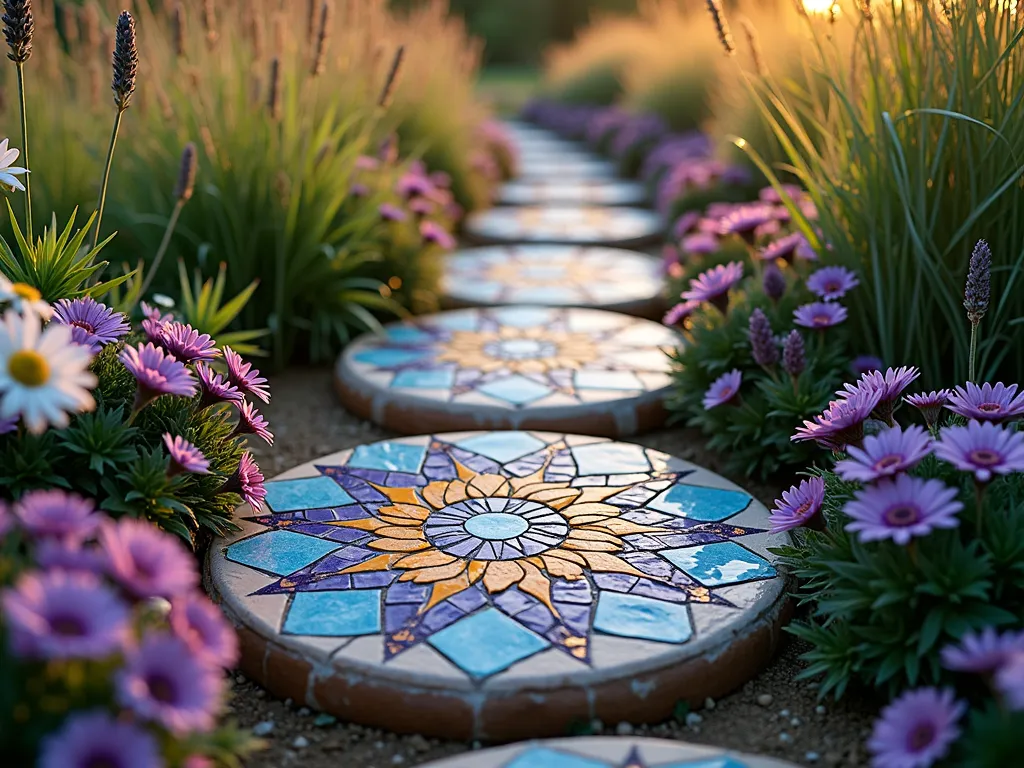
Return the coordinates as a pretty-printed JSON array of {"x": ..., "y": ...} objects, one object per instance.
[
  {"x": 24, "y": 152},
  {"x": 974, "y": 350},
  {"x": 172, "y": 223},
  {"x": 102, "y": 202},
  {"x": 979, "y": 495}
]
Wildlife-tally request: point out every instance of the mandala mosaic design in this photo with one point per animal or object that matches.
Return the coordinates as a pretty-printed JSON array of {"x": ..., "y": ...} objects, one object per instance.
[
  {"x": 568, "y": 224},
  {"x": 492, "y": 547},
  {"x": 555, "y": 275},
  {"x": 587, "y": 191},
  {"x": 516, "y": 357},
  {"x": 545, "y": 757}
]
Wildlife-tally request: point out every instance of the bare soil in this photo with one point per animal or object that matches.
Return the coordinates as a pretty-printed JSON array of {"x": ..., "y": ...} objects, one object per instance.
[{"x": 772, "y": 715}]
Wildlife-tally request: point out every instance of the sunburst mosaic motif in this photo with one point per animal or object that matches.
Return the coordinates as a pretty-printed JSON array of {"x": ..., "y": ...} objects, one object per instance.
[
  {"x": 515, "y": 357},
  {"x": 565, "y": 224},
  {"x": 557, "y": 275},
  {"x": 493, "y": 547},
  {"x": 547, "y": 757}
]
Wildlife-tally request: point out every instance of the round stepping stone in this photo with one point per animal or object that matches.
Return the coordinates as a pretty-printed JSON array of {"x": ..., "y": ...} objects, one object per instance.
[
  {"x": 554, "y": 275},
  {"x": 585, "y": 225},
  {"x": 585, "y": 192},
  {"x": 578, "y": 370},
  {"x": 567, "y": 168},
  {"x": 501, "y": 585},
  {"x": 607, "y": 752}
]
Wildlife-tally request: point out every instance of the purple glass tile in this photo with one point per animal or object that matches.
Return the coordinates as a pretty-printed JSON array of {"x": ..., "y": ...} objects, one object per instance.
[
  {"x": 402, "y": 480},
  {"x": 645, "y": 541},
  {"x": 512, "y": 601},
  {"x": 398, "y": 616},
  {"x": 344, "y": 558},
  {"x": 373, "y": 579},
  {"x": 469, "y": 600},
  {"x": 632, "y": 497},
  {"x": 646, "y": 517},
  {"x": 311, "y": 529},
  {"x": 526, "y": 465},
  {"x": 407, "y": 592},
  {"x": 307, "y": 583},
  {"x": 575, "y": 616},
  {"x": 571, "y": 591},
  {"x": 538, "y": 618},
  {"x": 650, "y": 564},
  {"x": 647, "y": 588},
  {"x": 466, "y": 376},
  {"x": 688, "y": 539},
  {"x": 345, "y": 534},
  {"x": 376, "y": 476},
  {"x": 617, "y": 582},
  {"x": 438, "y": 617}
]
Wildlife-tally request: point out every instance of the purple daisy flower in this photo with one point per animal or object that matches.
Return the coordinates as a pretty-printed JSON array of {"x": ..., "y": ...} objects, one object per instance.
[
  {"x": 247, "y": 482},
  {"x": 819, "y": 315},
  {"x": 799, "y": 506},
  {"x": 432, "y": 232},
  {"x": 94, "y": 739},
  {"x": 866, "y": 364},
  {"x": 988, "y": 402},
  {"x": 57, "y": 515},
  {"x": 713, "y": 286},
  {"x": 832, "y": 282},
  {"x": 888, "y": 453},
  {"x": 916, "y": 730},
  {"x": 890, "y": 385},
  {"x": 214, "y": 388},
  {"x": 154, "y": 320},
  {"x": 983, "y": 448},
  {"x": 9, "y": 424},
  {"x": 163, "y": 681},
  {"x": 93, "y": 325},
  {"x": 685, "y": 224},
  {"x": 57, "y": 555},
  {"x": 745, "y": 219},
  {"x": 422, "y": 206},
  {"x": 156, "y": 373},
  {"x": 390, "y": 212},
  {"x": 367, "y": 163},
  {"x": 680, "y": 312},
  {"x": 245, "y": 377},
  {"x": 1010, "y": 682},
  {"x": 440, "y": 180},
  {"x": 842, "y": 423},
  {"x": 62, "y": 615},
  {"x": 930, "y": 404},
  {"x": 902, "y": 508},
  {"x": 982, "y": 652},
  {"x": 771, "y": 195},
  {"x": 701, "y": 243},
  {"x": 202, "y": 626},
  {"x": 251, "y": 422},
  {"x": 186, "y": 343},
  {"x": 185, "y": 457},
  {"x": 788, "y": 248},
  {"x": 725, "y": 388},
  {"x": 413, "y": 185},
  {"x": 358, "y": 189},
  {"x": 146, "y": 561}
]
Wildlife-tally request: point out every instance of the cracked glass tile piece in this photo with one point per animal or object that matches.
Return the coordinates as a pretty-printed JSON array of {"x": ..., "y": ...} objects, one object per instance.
[
  {"x": 334, "y": 614},
  {"x": 305, "y": 493},
  {"x": 643, "y": 618},
  {"x": 390, "y": 456},
  {"x": 717, "y": 565},
  {"x": 280, "y": 552},
  {"x": 695, "y": 502},
  {"x": 487, "y": 643}
]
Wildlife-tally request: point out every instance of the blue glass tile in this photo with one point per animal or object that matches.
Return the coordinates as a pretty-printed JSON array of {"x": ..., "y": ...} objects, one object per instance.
[
  {"x": 438, "y": 378},
  {"x": 334, "y": 614},
  {"x": 548, "y": 294},
  {"x": 394, "y": 457},
  {"x": 280, "y": 552},
  {"x": 456, "y": 321},
  {"x": 408, "y": 334},
  {"x": 502, "y": 446},
  {"x": 306, "y": 493},
  {"x": 522, "y": 317},
  {"x": 642, "y": 617},
  {"x": 694, "y": 502},
  {"x": 517, "y": 389},
  {"x": 715, "y": 565},
  {"x": 711, "y": 762},
  {"x": 385, "y": 357},
  {"x": 618, "y": 380},
  {"x": 486, "y": 291},
  {"x": 610, "y": 459},
  {"x": 542, "y": 757},
  {"x": 487, "y": 642}
]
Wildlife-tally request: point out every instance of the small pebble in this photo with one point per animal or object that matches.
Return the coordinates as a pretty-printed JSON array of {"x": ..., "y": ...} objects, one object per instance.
[
  {"x": 419, "y": 743},
  {"x": 709, "y": 703},
  {"x": 796, "y": 722},
  {"x": 765, "y": 700},
  {"x": 263, "y": 728},
  {"x": 300, "y": 742},
  {"x": 812, "y": 757},
  {"x": 397, "y": 759},
  {"x": 323, "y": 720},
  {"x": 819, "y": 710},
  {"x": 624, "y": 729},
  {"x": 240, "y": 679},
  {"x": 288, "y": 702},
  {"x": 304, "y": 712},
  {"x": 785, "y": 738},
  {"x": 596, "y": 726},
  {"x": 693, "y": 719},
  {"x": 784, "y": 713}
]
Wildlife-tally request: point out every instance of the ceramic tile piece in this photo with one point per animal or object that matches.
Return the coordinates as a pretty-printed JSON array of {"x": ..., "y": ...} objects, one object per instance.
[
  {"x": 511, "y": 366},
  {"x": 310, "y": 493},
  {"x": 542, "y": 757},
  {"x": 583, "y": 225},
  {"x": 643, "y": 617},
  {"x": 595, "y": 191},
  {"x": 280, "y": 552},
  {"x": 610, "y": 458},
  {"x": 502, "y": 446},
  {"x": 716, "y": 565},
  {"x": 392, "y": 456},
  {"x": 335, "y": 614},
  {"x": 694, "y": 502},
  {"x": 487, "y": 642}
]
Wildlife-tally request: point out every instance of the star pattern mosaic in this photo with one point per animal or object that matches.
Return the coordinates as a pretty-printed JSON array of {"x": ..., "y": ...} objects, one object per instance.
[
  {"x": 545, "y": 757},
  {"x": 555, "y": 275},
  {"x": 516, "y": 357},
  {"x": 557, "y": 192},
  {"x": 492, "y": 547},
  {"x": 564, "y": 224}
]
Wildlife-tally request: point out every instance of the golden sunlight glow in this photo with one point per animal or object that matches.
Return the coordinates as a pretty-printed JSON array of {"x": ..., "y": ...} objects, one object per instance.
[{"x": 818, "y": 6}]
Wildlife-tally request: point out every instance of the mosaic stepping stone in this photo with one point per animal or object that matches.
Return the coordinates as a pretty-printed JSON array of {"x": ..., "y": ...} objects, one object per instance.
[
  {"x": 501, "y": 585},
  {"x": 606, "y": 752},
  {"x": 588, "y": 167},
  {"x": 555, "y": 275},
  {"x": 577, "y": 370},
  {"x": 584, "y": 225},
  {"x": 585, "y": 192}
]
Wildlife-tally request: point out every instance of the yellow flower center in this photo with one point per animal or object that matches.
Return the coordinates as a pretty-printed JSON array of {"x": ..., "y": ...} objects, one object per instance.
[
  {"x": 26, "y": 291},
  {"x": 28, "y": 368}
]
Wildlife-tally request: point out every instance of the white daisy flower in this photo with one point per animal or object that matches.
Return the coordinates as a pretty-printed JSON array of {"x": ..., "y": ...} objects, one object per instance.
[
  {"x": 23, "y": 298},
  {"x": 43, "y": 374},
  {"x": 9, "y": 173}
]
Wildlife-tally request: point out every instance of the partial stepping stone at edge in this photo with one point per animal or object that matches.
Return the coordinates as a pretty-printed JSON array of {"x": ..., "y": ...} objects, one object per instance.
[
  {"x": 569, "y": 192},
  {"x": 577, "y": 370},
  {"x": 607, "y": 752},
  {"x": 567, "y": 168},
  {"x": 584, "y": 225},
  {"x": 554, "y": 275},
  {"x": 501, "y": 585}
]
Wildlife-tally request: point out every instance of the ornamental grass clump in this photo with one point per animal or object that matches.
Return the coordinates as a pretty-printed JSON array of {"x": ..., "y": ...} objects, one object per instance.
[
  {"x": 764, "y": 336},
  {"x": 110, "y": 654}
]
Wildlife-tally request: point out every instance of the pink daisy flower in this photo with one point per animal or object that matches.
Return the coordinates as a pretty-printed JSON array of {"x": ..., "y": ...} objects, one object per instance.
[
  {"x": 202, "y": 626},
  {"x": 242, "y": 375},
  {"x": 713, "y": 286},
  {"x": 799, "y": 506},
  {"x": 725, "y": 388},
  {"x": 680, "y": 312},
  {"x": 93, "y": 325},
  {"x": 247, "y": 482},
  {"x": 146, "y": 561},
  {"x": 185, "y": 457},
  {"x": 156, "y": 373},
  {"x": 251, "y": 422},
  {"x": 186, "y": 343},
  {"x": 214, "y": 388},
  {"x": 842, "y": 423}
]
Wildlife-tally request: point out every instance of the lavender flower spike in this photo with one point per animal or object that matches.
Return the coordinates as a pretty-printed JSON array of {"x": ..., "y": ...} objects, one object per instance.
[
  {"x": 762, "y": 341},
  {"x": 794, "y": 359},
  {"x": 979, "y": 277}
]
